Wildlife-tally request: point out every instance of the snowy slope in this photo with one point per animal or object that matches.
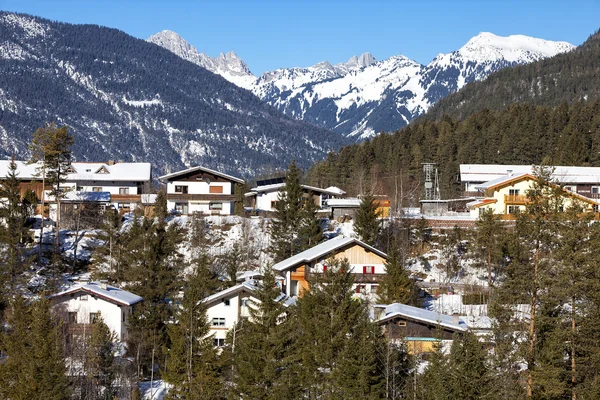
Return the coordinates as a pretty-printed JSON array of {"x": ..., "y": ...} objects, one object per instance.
[
  {"x": 228, "y": 65},
  {"x": 364, "y": 96}
]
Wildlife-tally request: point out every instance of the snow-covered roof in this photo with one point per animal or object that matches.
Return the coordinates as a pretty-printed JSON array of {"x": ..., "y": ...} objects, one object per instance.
[
  {"x": 418, "y": 314},
  {"x": 247, "y": 275},
  {"x": 247, "y": 286},
  {"x": 84, "y": 171},
  {"x": 101, "y": 197},
  {"x": 344, "y": 203},
  {"x": 106, "y": 292},
  {"x": 322, "y": 250},
  {"x": 501, "y": 180},
  {"x": 563, "y": 174},
  {"x": 481, "y": 202},
  {"x": 170, "y": 177},
  {"x": 332, "y": 190}
]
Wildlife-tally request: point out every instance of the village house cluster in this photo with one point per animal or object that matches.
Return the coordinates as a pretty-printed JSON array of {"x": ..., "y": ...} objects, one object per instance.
[{"x": 200, "y": 190}]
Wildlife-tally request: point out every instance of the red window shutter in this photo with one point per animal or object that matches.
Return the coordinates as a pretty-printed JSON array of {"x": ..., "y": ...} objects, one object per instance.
[
  {"x": 357, "y": 288},
  {"x": 364, "y": 269},
  {"x": 324, "y": 268}
]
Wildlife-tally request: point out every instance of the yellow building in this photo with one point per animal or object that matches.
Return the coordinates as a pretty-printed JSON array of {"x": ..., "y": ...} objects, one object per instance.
[{"x": 508, "y": 196}]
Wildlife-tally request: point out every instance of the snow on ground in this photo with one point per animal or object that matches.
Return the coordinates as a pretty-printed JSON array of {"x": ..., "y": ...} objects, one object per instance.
[{"x": 157, "y": 391}]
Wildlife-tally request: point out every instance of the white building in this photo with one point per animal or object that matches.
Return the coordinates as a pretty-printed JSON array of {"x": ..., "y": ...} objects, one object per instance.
[
  {"x": 201, "y": 190},
  {"x": 84, "y": 302},
  {"x": 227, "y": 307},
  {"x": 584, "y": 181},
  {"x": 366, "y": 263},
  {"x": 124, "y": 182},
  {"x": 266, "y": 195}
]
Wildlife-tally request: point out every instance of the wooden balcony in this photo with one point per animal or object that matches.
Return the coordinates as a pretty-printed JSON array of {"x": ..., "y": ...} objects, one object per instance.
[
  {"x": 125, "y": 198},
  {"x": 515, "y": 199}
]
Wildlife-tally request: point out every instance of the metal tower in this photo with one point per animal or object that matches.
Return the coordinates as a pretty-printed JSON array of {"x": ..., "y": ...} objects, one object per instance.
[{"x": 432, "y": 184}]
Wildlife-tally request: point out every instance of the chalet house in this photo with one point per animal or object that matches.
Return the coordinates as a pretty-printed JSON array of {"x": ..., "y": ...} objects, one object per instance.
[
  {"x": 507, "y": 195},
  {"x": 227, "y": 307},
  {"x": 366, "y": 262},
  {"x": 584, "y": 181},
  {"x": 343, "y": 209},
  {"x": 265, "y": 195},
  {"x": 85, "y": 301},
  {"x": 122, "y": 182},
  {"x": 201, "y": 190},
  {"x": 419, "y": 328}
]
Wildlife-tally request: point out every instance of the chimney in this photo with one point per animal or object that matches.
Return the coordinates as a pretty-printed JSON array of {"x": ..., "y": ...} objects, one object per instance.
[
  {"x": 455, "y": 319},
  {"x": 111, "y": 162},
  {"x": 104, "y": 285},
  {"x": 509, "y": 172}
]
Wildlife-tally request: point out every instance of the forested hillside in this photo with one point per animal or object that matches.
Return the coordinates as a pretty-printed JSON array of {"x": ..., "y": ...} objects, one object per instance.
[
  {"x": 519, "y": 134},
  {"x": 570, "y": 77},
  {"x": 125, "y": 98}
]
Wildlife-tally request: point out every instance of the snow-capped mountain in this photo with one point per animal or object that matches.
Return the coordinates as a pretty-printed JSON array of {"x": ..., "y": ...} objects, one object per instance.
[
  {"x": 363, "y": 96},
  {"x": 125, "y": 98},
  {"x": 228, "y": 65}
]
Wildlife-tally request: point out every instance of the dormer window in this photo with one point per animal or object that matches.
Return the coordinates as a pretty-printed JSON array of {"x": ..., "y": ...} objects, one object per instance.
[
  {"x": 102, "y": 170},
  {"x": 88, "y": 170},
  {"x": 71, "y": 170}
]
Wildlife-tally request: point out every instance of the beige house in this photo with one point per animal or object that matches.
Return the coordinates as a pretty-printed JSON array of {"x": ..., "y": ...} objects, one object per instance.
[{"x": 507, "y": 195}]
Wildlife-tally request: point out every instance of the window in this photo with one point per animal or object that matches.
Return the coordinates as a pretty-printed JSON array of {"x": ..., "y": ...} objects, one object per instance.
[
  {"x": 73, "y": 317},
  {"x": 595, "y": 189},
  {"x": 513, "y": 209},
  {"x": 401, "y": 323},
  {"x": 274, "y": 204},
  {"x": 215, "y": 189},
  {"x": 83, "y": 297},
  {"x": 368, "y": 269},
  {"x": 360, "y": 288},
  {"x": 79, "y": 188},
  {"x": 595, "y": 207},
  {"x": 123, "y": 190},
  {"x": 96, "y": 189},
  {"x": 181, "y": 189},
  {"x": 570, "y": 188},
  {"x": 123, "y": 316},
  {"x": 227, "y": 302},
  {"x": 215, "y": 206},
  {"x": 181, "y": 208},
  {"x": 374, "y": 288},
  {"x": 94, "y": 317},
  {"x": 218, "y": 342},
  {"x": 218, "y": 322},
  {"x": 513, "y": 192}
]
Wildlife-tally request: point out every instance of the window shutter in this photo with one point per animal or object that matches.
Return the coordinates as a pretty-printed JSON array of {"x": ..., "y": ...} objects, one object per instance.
[
  {"x": 324, "y": 268},
  {"x": 364, "y": 269}
]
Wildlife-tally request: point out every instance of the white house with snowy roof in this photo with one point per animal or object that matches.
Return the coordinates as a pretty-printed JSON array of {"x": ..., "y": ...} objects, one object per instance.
[
  {"x": 122, "y": 182},
  {"x": 227, "y": 307},
  {"x": 83, "y": 302},
  {"x": 584, "y": 181},
  {"x": 200, "y": 190},
  {"x": 266, "y": 194},
  {"x": 366, "y": 262}
]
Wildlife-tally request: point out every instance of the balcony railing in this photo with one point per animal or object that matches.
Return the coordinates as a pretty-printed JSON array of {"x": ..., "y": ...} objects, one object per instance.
[{"x": 515, "y": 199}]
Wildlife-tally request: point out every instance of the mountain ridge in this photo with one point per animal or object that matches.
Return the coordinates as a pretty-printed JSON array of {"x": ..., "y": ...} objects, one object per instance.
[{"x": 364, "y": 96}]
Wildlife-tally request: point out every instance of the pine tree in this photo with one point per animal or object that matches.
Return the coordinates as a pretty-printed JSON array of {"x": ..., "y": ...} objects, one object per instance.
[
  {"x": 337, "y": 343},
  {"x": 263, "y": 368},
  {"x": 100, "y": 360},
  {"x": 34, "y": 367},
  {"x": 310, "y": 232},
  {"x": 109, "y": 255},
  {"x": 51, "y": 147},
  {"x": 288, "y": 220},
  {"x": 470, "y": 377},
  {"x": 434, "y": 383},
  {"x": 488, "y": 238},
  {"x": 367, "y": 222},
  {"x": 12, "y": 233},
  {"x": 193, "y": 365},
  {"x": 396, "y": 286}
]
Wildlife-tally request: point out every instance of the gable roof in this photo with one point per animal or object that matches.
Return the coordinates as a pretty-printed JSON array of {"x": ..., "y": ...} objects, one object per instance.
[
  {"x": 322, "y": 250},
  {"x": 110, "y": 293},
  {"x": 503, "y": 180},
  {"x": 249, "y": 286},
  {"x": 84, "y": 171},
  {"x": 421, "y": 315},
  {"x": 563, "y": 174},
  {"x": 170, "y": 176},
  {"x": 332, "y": 190}
]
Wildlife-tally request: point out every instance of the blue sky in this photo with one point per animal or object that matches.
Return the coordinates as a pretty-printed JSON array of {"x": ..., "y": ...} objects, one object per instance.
[{"x": 271, "y": 34}]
